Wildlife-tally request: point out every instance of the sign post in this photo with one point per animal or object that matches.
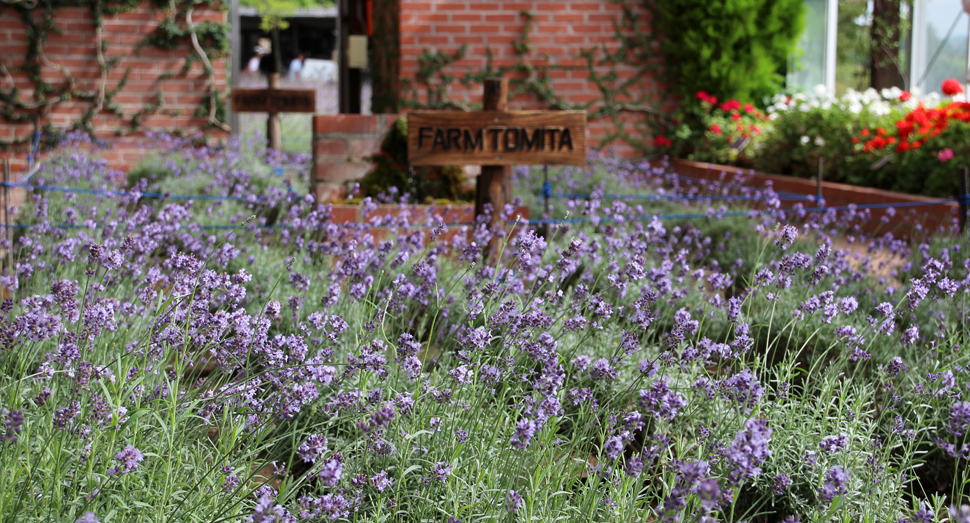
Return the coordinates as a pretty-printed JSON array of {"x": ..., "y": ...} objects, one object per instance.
[
  {"x": 496, "y": 139},
  {"x": 273, "y": 101}
]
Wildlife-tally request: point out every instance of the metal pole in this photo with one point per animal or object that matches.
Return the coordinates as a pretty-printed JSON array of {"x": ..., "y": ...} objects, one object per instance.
[
  {"x": 6, "y": 216},
  {"x": 546, "y": 191},
  {"x": 818, "y": 181},
  {"x": 236, "y": 51},
  {"x": 964, "y": 181}
]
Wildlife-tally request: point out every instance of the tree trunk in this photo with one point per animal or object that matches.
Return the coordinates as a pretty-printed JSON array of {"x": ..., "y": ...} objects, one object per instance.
[
  {"x": 884, "y": 67},
  {"x": 386, "y": 57}
]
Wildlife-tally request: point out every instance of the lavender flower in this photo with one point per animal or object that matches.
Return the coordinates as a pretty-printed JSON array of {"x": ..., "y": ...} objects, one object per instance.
[
  {"x": 834, "y": 485},
  {"x": 613, "y": 446},
  {"x": 787, "y": 237},
  {"x": 330, "y": 472},
  {"x": 129, "y": 457},
  {"x": 88, "y": 517},
  {"x": 312, "y": 447},
  {"x": 267, "y": 511},
  {"x": 381, "y": 481},
  {"x": 13, "y": 422},
  {"x": 441, "y": 470},
  {"x": 744, "y": 388},
  {"x": 749, "y": 450},
  {"x": 662, "y": 402},
  {"x": 831, "y": 444},
  {"x": 525, "y": 429},
  {"x": 910, "y": 335},
  {"x": 959, "y": 418},
  {"x": 781, "y": 485},
  {"x": 960, "y": 515},
  {"x": 513, "y": 502},
  {"x": 602, "y": 370}
]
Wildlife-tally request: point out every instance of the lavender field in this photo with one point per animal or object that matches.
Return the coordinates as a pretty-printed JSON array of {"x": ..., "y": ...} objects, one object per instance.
[{"x": 238, "y": 356}]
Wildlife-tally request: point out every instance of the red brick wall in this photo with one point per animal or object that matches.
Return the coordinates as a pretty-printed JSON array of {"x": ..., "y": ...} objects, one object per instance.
[
  {"x": 560, "y": 29},
  {"x": 75, "y": 50},
  {"x": 341, "y": 145}
]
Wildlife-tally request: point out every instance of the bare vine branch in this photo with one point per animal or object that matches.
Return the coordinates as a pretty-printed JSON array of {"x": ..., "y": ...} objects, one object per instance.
[{"x": 210, "y": 73}]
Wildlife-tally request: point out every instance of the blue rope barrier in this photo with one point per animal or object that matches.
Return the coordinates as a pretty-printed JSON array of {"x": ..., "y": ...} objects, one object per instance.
[
  {"x": 722, "y": 184},
  {"x": 98, "y": 192},
  {"x": 688, "y": 216},
  {"x": 547, "y": 190},
  {"x": 752, "y": 211},
  {"x": 33, "y": 152},
  {"x": 586, "y": 196}
]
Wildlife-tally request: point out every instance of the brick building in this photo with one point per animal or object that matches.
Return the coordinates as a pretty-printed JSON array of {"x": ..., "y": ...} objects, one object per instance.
[
  {"x": 559, "y": 30},
  {"x": 547, "y": 35},
  {"x": 167, "y": 98},
  {"x": 145, "y": 82}
]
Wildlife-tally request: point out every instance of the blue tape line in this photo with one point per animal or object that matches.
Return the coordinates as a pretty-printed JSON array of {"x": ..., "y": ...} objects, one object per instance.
[
  {"x": 964, "y": 198},
  {"x": 756, "y": 211},
  {"x": 586, "y": 196},
  {"x": 125, "y": 193},
  {"x": 33, "y": 152},
  {"x": 722, "y": 184}
]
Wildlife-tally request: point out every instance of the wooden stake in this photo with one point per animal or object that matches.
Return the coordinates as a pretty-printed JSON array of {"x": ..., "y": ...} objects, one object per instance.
[
  {"x": 492, "y": 184},
  {"x": 545, "y": 202},
  {"x": 818, "y": 182},
  {"x": 6, "y": 216},
  {"x": 274, "y": 131},
  {"x": 964, "y": 184}
]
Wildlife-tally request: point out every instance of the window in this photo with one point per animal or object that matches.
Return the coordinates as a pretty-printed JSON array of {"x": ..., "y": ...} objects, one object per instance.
[{"x": 940, "y": 40}]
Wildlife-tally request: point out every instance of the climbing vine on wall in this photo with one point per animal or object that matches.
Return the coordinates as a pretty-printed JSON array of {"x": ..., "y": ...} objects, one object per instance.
[
  {"x": 208, "y": 41},
  {"x": 620, "y": 95}
]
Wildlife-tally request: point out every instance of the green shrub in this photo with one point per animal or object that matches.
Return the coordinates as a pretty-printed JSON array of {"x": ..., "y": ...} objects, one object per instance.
[
  {"x": 808, "y": 127},
  {"x": 706, "y": 131},
  {"x": 422, "y": 184},
  {"x": 731, "y": 48}
]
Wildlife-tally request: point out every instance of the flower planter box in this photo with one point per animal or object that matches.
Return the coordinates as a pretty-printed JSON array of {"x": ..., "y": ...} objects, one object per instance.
[{"x": 910, "y": 218}]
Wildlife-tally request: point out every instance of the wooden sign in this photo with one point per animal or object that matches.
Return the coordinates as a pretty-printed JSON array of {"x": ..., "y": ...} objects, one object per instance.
[
  {"x": 274, "y": 101},
  {"x": 497, "y": 138}
]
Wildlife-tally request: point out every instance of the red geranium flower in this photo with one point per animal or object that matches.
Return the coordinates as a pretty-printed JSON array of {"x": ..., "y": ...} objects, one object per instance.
[
  {"x": 702, "y": 95},
  {"x": 748, "y": 108},
  {"x": 905, "y": 97},
  {"x": 951, "y": 87},
  {"x": 715, "y": 128},
  {"x": 661, "y": 141}
]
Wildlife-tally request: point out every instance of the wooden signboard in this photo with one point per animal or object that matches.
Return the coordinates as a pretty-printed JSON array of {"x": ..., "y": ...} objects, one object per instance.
[
  {"x": 497, "y": 138},
  {"x": 274, "y": 101}
]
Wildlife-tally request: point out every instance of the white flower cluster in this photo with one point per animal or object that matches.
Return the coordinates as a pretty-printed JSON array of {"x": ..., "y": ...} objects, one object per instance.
[{"x": 880, "y": 103}]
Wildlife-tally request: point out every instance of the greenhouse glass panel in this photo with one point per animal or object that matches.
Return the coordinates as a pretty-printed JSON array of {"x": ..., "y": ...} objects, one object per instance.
[
  {"x": 940, "y": 38},
  {"x": 808, "y": 67}
]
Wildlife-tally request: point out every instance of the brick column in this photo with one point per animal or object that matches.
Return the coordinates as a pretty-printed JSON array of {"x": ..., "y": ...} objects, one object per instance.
[{"x": 342, "y": 144}]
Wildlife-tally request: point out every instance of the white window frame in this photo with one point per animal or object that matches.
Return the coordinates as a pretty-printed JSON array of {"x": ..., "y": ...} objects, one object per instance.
[
  {"x": 831, "y": 40},
  {"x": 918, "y": 59}
]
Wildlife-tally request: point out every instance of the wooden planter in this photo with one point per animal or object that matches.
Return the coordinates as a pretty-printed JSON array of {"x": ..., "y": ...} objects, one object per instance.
[{"x": 908, "y": 221}]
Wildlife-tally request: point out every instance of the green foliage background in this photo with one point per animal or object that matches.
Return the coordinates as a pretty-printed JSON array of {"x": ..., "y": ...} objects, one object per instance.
[{"x": 729, "y": 48}]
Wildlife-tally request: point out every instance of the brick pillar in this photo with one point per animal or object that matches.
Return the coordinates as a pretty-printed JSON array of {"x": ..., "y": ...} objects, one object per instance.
[{"x": 342, "y": 144}]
